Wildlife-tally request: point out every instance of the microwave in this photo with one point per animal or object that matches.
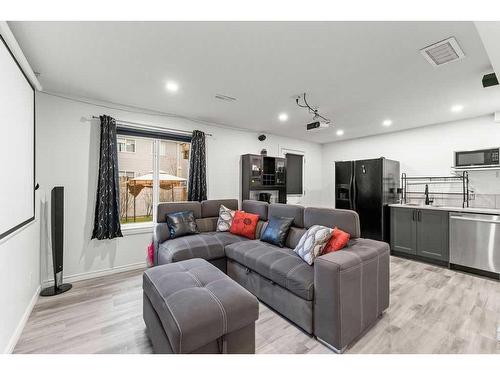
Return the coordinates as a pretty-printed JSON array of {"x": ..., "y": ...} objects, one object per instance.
[{"x": 477, "y": 158}]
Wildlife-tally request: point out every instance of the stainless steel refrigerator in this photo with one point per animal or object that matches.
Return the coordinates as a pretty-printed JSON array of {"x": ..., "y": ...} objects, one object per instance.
[{"x": 367, "y": 187}]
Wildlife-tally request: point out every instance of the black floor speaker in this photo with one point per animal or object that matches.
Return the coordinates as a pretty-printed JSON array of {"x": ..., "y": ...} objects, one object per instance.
[{"x": 57, "y": 236}]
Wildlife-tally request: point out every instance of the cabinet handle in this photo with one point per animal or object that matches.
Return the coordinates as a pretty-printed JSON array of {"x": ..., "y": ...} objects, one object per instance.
[
  {"x": 419, "y": 215},
  {"x": 414, "y": 215}
]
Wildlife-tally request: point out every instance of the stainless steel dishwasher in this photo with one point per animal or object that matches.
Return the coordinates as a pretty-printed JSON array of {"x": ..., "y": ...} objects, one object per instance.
[{"x": 475, "y": 241}]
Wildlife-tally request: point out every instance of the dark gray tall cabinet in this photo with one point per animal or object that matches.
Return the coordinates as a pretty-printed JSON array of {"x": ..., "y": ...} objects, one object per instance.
[
  {"x": 422, "y": 233},
  {"x": 262, "y": 173}
]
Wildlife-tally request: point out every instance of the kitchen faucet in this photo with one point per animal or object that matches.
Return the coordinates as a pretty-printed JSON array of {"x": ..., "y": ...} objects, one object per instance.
[{"x": 427, "y": 200}]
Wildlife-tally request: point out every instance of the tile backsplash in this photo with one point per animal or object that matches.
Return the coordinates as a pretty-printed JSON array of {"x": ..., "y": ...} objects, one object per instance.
[{"x": 476, "y": 201}]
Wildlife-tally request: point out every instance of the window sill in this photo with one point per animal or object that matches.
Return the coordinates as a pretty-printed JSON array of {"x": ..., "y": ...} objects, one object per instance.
[{"x": 139, "y": 228}]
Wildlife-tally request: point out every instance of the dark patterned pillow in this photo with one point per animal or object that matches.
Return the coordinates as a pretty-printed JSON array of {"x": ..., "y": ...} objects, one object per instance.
[
  {"x": 276, "y": 230},
  {"x": 225, "y": 220},
  {"x": 181, "y": 224}
]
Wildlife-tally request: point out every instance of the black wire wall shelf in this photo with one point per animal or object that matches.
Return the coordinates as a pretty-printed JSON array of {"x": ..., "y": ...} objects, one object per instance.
[{"x": 459, "y": 178}]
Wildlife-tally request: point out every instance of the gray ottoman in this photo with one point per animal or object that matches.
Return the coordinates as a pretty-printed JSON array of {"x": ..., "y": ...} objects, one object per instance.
[{"x": 193, "y": 307}]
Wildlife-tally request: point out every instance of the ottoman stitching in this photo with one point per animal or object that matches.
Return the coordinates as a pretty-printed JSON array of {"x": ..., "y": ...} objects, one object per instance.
[
  {"x": 170, "y": 311},
  {"x": 195, "y": 279},
  {"x": 166, "y": 298},
  {"x": 223, "y": 311}
]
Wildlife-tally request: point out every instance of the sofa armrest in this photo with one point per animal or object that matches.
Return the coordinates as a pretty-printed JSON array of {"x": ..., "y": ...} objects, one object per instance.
[
  {"x": 351, "y": 290},
  {"x": 160, "y": 235}
]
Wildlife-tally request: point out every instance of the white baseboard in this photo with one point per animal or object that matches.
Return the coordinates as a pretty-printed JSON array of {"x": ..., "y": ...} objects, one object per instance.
[
  {"x": 19, "y": 329},
  {"x": 98, "y": 273}
]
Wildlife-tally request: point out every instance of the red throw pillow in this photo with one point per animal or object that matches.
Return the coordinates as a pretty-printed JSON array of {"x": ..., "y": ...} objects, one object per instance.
[
  {"x": 244, "y": 224},
  {"x": 337, "y": 242}
]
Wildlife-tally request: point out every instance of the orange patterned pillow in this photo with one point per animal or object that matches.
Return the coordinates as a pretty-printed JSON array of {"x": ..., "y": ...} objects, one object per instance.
[
  {"x": 244, "y": 224},
  {"x": 337, "y": 242}
]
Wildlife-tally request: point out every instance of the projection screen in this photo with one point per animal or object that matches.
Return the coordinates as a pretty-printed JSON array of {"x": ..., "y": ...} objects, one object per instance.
[{"x": 17, "y": 149}]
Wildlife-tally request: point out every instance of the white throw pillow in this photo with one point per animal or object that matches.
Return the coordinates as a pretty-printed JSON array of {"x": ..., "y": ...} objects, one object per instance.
[
  {"x": 312, "y": 242},
  {"x": 225, "y": 219}
]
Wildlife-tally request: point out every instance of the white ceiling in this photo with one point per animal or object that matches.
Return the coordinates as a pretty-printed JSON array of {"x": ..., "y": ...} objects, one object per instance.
[{"x": 357, "y": 73}]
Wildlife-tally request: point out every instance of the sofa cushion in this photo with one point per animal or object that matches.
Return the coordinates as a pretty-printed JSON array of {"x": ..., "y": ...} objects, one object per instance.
[
  {"x": 255, "y": 207},
  {"x": 288, "y": 210},
  {"x": 277, "y": 230},
  {"x": 346, "y": 220},
  {"x": 280, "y": 265},
  {"x": 208, "y": 246},
  {"x": 294, "y": 236},
  {"x": 170, "y": 207},
  {"x": 207, "y": 224},
  {"x": 210, "y": 208}
]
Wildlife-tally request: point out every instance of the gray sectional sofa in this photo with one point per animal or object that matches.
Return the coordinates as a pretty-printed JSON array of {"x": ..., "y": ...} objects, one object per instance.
[{"x": 336, "y": 299}]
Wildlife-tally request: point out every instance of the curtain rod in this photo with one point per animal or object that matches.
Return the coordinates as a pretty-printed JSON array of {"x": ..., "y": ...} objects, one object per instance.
[{"x": 146, "y": 126}]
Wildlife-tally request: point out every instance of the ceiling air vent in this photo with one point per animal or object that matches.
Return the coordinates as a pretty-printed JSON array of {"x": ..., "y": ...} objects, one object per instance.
[
  {"x": 443, "y": 52},
  {"x": 225, "y": 98}
]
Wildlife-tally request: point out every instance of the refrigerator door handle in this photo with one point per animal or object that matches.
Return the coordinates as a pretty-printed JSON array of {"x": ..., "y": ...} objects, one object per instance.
[
  {"x": 351, "y": 192},
  {"x": 354, "y": 189}
]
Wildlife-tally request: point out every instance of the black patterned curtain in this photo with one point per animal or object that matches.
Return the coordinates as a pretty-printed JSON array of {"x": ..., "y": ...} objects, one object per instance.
[
  {"x": 107, "y": 210},
  {"x": 197, "y": 186}
]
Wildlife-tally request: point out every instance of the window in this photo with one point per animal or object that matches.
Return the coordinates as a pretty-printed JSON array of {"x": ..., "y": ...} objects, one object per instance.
[
  {"x": 126, "y": 145},
  {"x": 294, "y": 173},
  {"x": 147, "y": 177}
]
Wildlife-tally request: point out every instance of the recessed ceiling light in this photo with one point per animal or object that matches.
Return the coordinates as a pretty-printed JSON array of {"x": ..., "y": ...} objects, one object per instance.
[
  {"x": 172, "y": 86},
  {"x": 457, "y": 108},
  {"x": 340, "y": 132},
  {"x": 387, "y": 123},
  {"x": 283, "y": 117}
]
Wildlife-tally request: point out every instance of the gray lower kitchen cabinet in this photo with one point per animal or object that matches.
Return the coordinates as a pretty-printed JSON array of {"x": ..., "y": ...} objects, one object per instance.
[
  {"x": 403, "y": 230},
  {"x": 432, "y": 234},
  {"x": 420, "y": 232}
]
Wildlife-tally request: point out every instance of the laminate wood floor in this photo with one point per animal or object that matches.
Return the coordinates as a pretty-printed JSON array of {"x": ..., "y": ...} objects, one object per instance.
[{"x": 432, "y": 310}]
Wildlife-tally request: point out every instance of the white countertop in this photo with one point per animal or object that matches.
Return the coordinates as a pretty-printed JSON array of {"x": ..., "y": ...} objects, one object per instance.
[{"x": 476, "y": 210}]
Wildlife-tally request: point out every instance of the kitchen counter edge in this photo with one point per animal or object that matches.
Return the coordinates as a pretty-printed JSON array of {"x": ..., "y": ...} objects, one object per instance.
[{"x": 476, "y": 210}]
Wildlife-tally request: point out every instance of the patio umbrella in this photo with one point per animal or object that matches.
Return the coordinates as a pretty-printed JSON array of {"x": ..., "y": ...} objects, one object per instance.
[{"x": 135, "y": 185}]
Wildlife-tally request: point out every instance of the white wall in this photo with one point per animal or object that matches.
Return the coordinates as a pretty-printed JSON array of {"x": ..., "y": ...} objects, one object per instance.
[
  {"x": 19, "y": 280},
  {"x": 68, "y": 147},
  {"x": 20, "y": 251},
  {"x": 423, "y": 151}
]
